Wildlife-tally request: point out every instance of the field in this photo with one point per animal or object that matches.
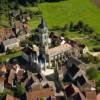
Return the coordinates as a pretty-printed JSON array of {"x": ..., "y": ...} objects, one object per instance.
[
  {"x": 63, "y": 12},
  {"x": 60, "y": 13},
  {"x": 5, "y": 58}
]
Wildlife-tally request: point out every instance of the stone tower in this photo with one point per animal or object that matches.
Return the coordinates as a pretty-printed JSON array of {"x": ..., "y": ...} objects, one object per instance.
[{"x": 43, "y": 37}]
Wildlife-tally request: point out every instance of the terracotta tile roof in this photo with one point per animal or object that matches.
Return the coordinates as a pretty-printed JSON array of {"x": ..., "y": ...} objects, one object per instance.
[
  {"x": 2, "y": 79},
  {"x": 4, "y": 68},
  {"x": 98, "y": 96},
  {"x": 9, "y": 97},
  {"x": 6, "y": 33},
  {"x": 44, "y": 92},
  {"x": 91, "y": 95},
  {"x": 59, "y": 49},
  {"x": 24, "y": 27}
]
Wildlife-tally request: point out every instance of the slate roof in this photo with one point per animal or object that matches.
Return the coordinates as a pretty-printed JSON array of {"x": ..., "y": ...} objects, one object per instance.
[
  {"x": 81, "y": 80},
  {"x": 77, "y": 97},
  {"x": 71, "y": 89},
  {"x": 28, "y": 51},
  {"x": 42, "y": 24},
  {"x": 73, "y": 70},
  {"x": 10, "y": 41}
]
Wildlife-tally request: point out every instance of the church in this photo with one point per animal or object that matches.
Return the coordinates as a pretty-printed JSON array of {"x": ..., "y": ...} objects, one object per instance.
[{"x": 43, "y": 55}]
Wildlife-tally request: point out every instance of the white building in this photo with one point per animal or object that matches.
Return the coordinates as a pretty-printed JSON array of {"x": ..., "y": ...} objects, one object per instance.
[{"x": 10, "y": 43}]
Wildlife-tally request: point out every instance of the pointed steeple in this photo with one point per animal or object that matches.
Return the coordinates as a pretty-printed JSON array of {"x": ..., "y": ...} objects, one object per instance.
[{"x": 42, "y": 24}]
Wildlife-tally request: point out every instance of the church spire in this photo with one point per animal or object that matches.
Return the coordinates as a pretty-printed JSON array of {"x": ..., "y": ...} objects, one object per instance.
[{"x": 42, "y": 24}]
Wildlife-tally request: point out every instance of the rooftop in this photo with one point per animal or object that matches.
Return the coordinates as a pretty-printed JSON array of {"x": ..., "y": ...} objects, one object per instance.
[
  {"x": 42, "y": 24},
  {"x": 58, "y": 49},
  {"x": 7, "y": 33},
  {"x": 71, "y": 89},
  {"x": 44, "y": 92},
  {"x": 91, "y": 95},
  {"x": 73, "y": 70},
  {"x": 10, "y": 41},
  {"x": 29, "y": 51},
  {"x": 9, "y": 97},
  {"x": 81, "y": 80},
  {"x": 2, "y": 79}
]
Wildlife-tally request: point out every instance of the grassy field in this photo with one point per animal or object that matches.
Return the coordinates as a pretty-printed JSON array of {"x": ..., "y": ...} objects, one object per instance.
[
  {"x": 93, "y": 74},
  {"x": 10, "y": 56},
  {"x": 60, "y": 13}
]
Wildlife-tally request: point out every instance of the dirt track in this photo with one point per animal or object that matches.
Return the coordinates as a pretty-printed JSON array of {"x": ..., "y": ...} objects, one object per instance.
[{"x": 96, "y": 2}]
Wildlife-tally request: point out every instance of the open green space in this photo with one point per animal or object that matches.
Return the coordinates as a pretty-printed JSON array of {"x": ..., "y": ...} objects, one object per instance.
[
  {"x": 10, "y": 56},
  {"x": 93, "y": 74},
  {"x": 60, "y": 13}
]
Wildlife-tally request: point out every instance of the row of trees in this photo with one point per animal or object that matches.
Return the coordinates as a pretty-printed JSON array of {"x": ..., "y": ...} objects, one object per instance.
[
  {"x": 80, "y": 27},
  {"x": 23, "y": 2}
]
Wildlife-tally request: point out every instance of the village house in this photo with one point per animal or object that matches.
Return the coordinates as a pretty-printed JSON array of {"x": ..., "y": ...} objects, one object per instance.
[
  {"x": 10, "y": 43},
  {"x": 21, "y": 29},
  {"x": 73, "y": 93},
  {"x": 91, "y": 95},
  {"x": 45, "y": 93},
  {"x": 6, "y": 33}
]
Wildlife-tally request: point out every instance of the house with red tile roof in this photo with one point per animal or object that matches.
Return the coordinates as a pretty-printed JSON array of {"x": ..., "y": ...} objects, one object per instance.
[
  {"x": 41, "y": 93},
  {"x": 91, "y": 95},
  {"x": 6, "y": 33},
  {"x": 98, "y": 96}
]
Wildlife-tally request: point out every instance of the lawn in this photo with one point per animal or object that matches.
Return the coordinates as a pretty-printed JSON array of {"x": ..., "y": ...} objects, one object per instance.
[
  {"x": 63, "y": 12},
  {"x": 60, "y": 13},
  {"x": 10, "y": 56},
  {"x": 93, "y": 74}
]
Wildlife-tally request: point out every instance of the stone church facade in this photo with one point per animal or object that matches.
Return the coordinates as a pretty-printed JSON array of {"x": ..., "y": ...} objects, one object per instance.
[{"x": 45, "y": 56}]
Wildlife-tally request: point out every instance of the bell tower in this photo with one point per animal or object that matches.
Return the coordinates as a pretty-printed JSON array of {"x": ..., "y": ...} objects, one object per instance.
[{"x": 43, "y": 37}]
